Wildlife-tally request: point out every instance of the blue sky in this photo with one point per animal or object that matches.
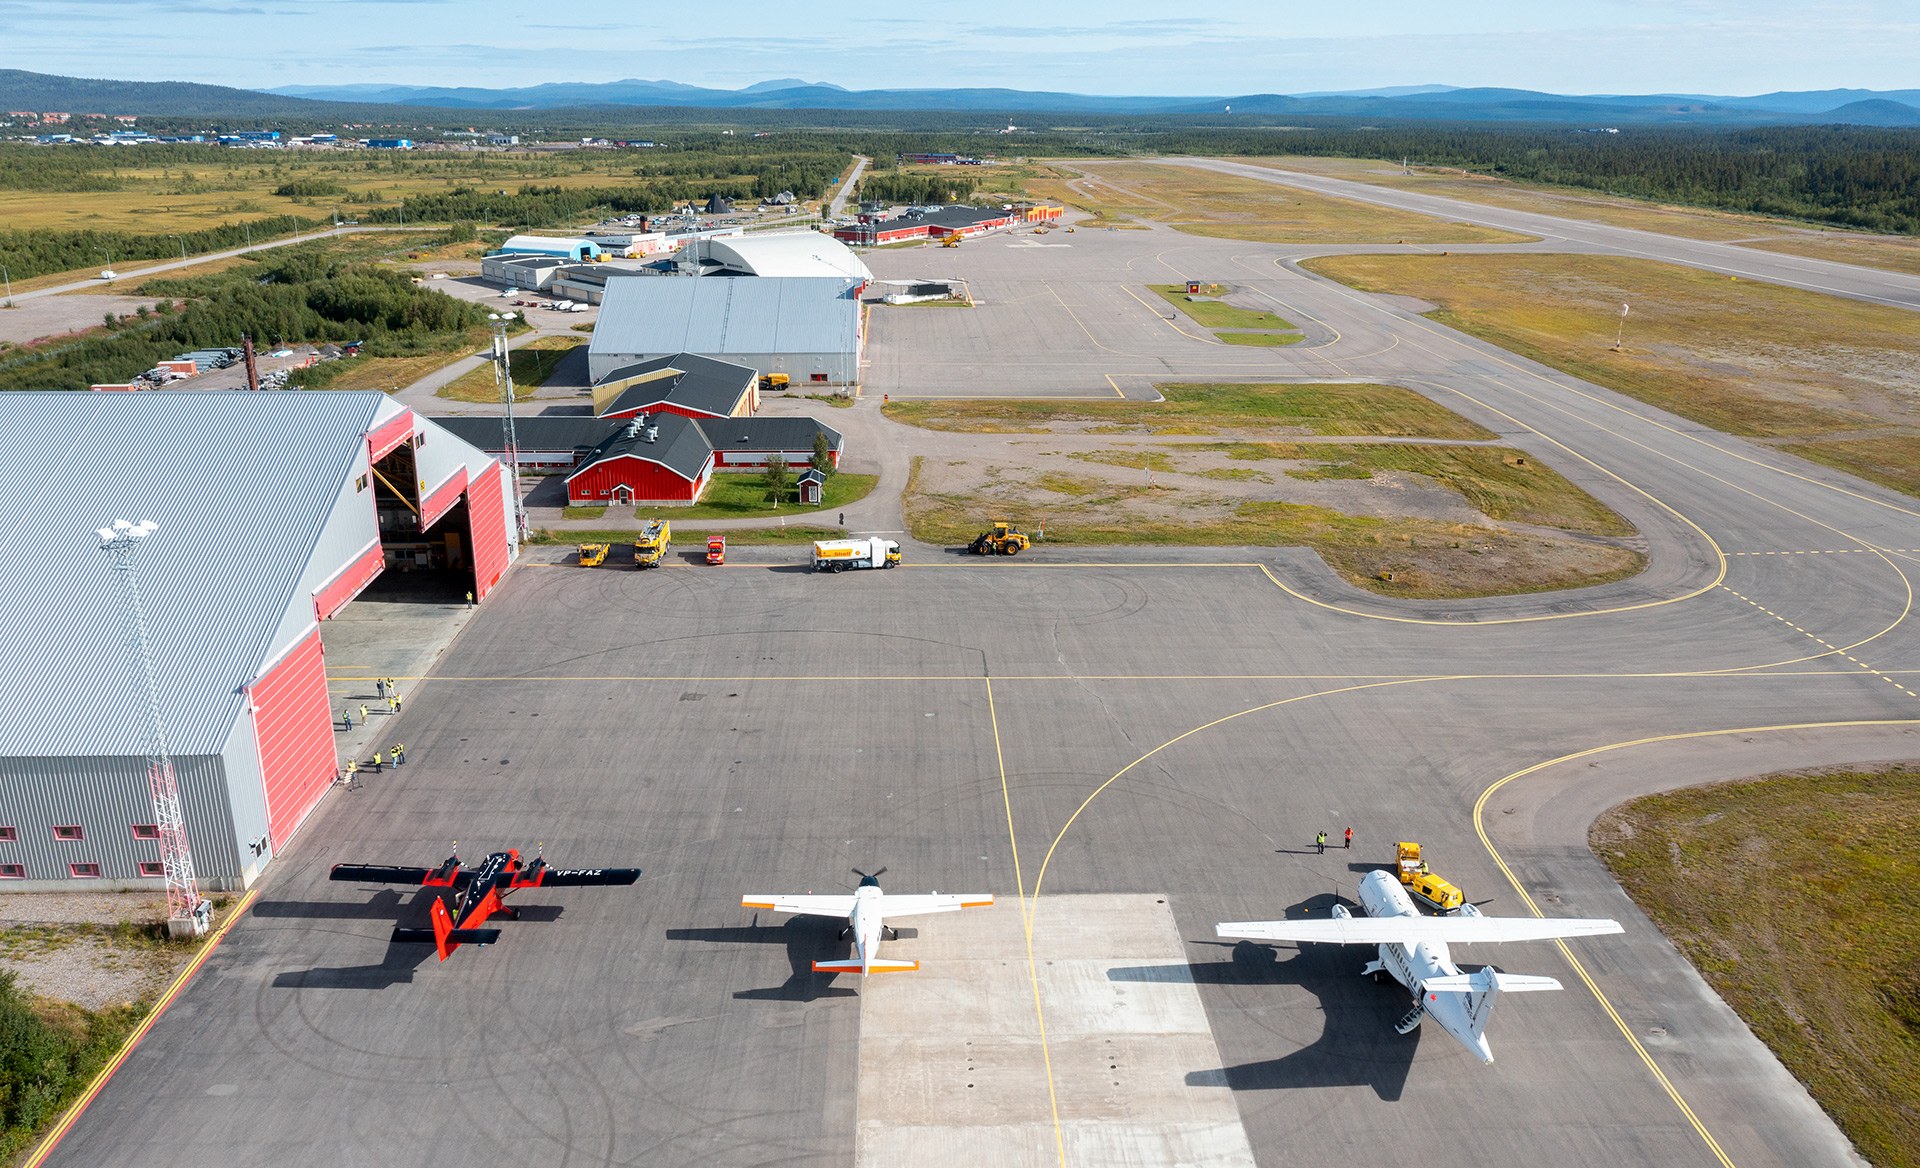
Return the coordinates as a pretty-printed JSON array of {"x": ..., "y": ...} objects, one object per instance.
[{"x": 1110, "y": 46}]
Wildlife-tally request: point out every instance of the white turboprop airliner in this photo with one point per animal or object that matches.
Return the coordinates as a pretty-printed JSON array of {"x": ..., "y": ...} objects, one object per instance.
[
  {"x": 864, "y": 910},
  {"x": 1413, "y": 949}
]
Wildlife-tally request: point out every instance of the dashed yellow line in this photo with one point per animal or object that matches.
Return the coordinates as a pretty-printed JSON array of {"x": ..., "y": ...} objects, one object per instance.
[
  {"x": 1626, "y": 1031},
  {"x": 1822, "y": 641}
]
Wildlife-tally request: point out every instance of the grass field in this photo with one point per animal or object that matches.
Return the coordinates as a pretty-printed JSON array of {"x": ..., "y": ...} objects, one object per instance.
[
  {"x": 388, "y": 374},
  {"x": 1892, "y": 252},
  {"x": 1748, "y": 358},
  {"x": 238, "y": 186},
  {"x": 1500, "y": 482},
  {"x": 532, "y": 363},
  {"x": 742, "y": 496},
  {"x": 1205, "y": 203},
  {"x": 1250, "y": 326},
  {"x": 1792, "y": 895},
  {"x": 1406, "y": 557},
  {"x": 1197, "y": 408}
]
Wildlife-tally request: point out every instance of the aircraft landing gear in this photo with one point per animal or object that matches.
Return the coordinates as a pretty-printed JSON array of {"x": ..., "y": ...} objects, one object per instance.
[
  {"x": 843, "y": 933},
  {"x": 894, "y": 933}
]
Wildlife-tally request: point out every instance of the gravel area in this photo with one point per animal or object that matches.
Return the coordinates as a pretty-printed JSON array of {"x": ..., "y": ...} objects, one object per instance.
[{"x": 61, "y": 945}]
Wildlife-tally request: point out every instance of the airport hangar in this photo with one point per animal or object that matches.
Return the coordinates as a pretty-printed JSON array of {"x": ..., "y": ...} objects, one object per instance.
[
  {"x": 274, "y": 510},
  {"x": 807, "y": 327}
]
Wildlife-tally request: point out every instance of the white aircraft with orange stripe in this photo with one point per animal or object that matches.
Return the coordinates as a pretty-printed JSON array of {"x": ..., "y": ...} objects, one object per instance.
[{"x": 865, "y": 910}]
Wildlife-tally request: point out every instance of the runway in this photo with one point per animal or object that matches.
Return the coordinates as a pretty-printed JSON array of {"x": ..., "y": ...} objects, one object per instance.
[{"x": 1158, "y": 724}]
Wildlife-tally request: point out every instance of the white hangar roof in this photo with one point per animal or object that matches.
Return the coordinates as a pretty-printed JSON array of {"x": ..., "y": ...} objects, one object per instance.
[{"x": 240, "y": 485}]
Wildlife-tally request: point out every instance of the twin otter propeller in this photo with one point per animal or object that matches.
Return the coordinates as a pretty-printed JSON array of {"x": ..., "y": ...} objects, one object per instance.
[
  {"x": 863, "y": 910},
  {"x": 480, "y": 892},
  {"x": 1413, "y": 949}
]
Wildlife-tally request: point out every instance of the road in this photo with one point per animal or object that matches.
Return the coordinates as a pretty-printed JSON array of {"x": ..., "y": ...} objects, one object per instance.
[
  {"x": 1124, "y": 748},
  {"x": 191, "y": 261},
  {"x": 846, "y": 190}
]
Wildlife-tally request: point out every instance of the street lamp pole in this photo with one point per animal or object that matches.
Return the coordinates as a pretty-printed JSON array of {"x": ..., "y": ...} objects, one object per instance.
[
  {"x": 187, "y": 912},
  {"x": 503, "y": 371},
  {"x": 183, "y": 248},
  {"x": 9, "y": 276}
]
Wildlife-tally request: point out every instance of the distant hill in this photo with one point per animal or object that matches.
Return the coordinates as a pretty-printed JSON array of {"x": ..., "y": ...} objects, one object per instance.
[
  {"x": 1415, "y": 102},
  {"x": 20, "y": 90},
  {"x": 371, "y": 102}
]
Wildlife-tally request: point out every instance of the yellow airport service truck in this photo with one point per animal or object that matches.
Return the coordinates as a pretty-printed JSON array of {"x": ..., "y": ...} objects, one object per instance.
[
  {"x": 592, "y": 555},
  {"x": 651, "y": 548},
  {"x": 1422, "y": 884},
  {"x": 837, "y": 555}
]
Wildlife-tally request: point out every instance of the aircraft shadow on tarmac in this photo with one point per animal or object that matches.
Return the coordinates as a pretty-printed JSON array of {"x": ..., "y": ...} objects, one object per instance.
[
  {"x": 1357, "y": 1047},
  {"x": 402, "y": 958},
  {"x": 807, "y": 941}
]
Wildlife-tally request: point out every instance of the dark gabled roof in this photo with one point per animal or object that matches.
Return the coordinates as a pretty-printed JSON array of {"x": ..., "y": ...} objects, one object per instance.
[
  {"x": 767, "y": 433},
  {"x": 542, "y": 432},
  {"x": 950, "y": 217},
  {"x": 704, "y": 384},
  {"x": 678, "y": 445}
]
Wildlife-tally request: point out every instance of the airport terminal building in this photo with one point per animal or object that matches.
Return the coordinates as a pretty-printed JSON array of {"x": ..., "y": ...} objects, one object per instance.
[{"x": 274, "y": 511}]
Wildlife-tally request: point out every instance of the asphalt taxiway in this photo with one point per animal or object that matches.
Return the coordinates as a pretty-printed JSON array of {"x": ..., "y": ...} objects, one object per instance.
[{"x": 1164, "y": 725}]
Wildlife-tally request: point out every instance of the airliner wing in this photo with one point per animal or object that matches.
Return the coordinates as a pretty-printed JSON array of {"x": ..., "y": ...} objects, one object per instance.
[
  {"x": 919, "y": 904},
  {"x": 809, "y": 905},
  {"x": 1413, "y": 930}
]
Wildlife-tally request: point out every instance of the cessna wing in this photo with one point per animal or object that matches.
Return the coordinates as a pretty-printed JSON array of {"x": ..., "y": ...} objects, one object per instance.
[
  {"x": 919, "y": 904},
  {"x": 1414, "y": 930},
  {"x": 809, "y": 905}
]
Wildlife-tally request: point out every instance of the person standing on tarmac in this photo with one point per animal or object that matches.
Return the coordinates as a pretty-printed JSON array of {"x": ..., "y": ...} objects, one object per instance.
[
  {"x": 1320, "y": 841},
  {"x": 1349, "y": 840}
]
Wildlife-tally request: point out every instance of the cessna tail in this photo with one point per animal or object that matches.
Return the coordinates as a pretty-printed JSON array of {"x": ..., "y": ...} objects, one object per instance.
[{"x": 1413, "y": 951}]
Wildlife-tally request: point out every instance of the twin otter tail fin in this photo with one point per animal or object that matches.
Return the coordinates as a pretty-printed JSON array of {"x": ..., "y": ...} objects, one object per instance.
[
  {"x": 871, "y": 967},
  {"x": 443, "y": 936}
]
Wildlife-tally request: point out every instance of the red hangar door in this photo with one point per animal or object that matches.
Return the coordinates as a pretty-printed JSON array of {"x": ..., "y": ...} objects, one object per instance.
[
  {"x": 487, "y": 528},
  {"x": 293, "y": 730}
]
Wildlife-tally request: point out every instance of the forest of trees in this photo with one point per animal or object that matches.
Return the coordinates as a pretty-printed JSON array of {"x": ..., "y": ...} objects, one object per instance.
[
  {"x": 1839, "y": 175},
  {"x": 948, "y": 186},
  {"x": 37, "y": 252},
  {"x": 295, "y": 294},
  {"x": 47, "y": 1054}
]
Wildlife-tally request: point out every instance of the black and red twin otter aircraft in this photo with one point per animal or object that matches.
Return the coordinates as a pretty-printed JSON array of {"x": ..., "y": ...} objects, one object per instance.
[{"x": 481, "y": 892}]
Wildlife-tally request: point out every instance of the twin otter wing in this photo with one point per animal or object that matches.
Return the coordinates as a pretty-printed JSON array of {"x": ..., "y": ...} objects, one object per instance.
[{"x": 1414, "y": 930}]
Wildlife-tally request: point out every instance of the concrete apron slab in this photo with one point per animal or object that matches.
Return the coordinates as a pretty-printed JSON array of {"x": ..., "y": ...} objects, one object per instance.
[{"x": 953, "y": 1069}]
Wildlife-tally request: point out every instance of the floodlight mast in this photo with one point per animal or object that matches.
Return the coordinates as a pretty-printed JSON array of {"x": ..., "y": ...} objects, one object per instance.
[
  {"x": 503, "y": 376},
  {"x": 187, "y": 911}
]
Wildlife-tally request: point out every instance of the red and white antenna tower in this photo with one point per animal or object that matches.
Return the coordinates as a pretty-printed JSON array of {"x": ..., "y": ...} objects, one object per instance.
[{"x": 187, "y": 912}]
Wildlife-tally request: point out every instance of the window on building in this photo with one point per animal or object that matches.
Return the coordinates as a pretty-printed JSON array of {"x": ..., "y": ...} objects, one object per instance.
[
  {"x": 13, "y": 871},
  {"x": 68, "y": 831},
  {"x": 819, "y": 377},
  {"x": 146, "y": 831},
  {"x": 84, "y": 871},
  {"x": 9, "y": 834},
  {"x": 360, "y": 484},
  {"x": 420, "y": 439},
  {"x": 152, "y": 868}
]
